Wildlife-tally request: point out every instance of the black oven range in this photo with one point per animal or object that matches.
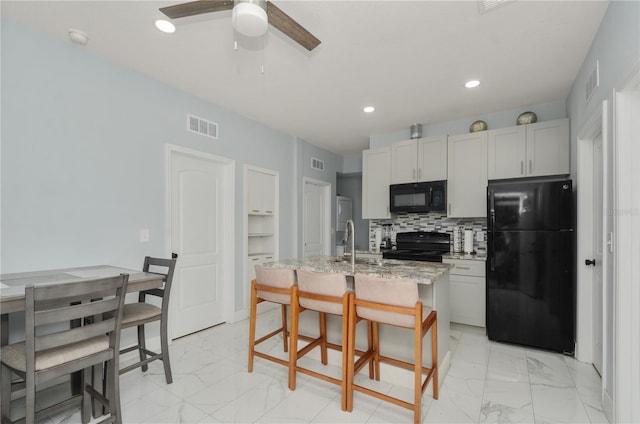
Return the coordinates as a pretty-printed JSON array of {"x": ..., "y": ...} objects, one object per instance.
[{"x": 428, "y": 246}]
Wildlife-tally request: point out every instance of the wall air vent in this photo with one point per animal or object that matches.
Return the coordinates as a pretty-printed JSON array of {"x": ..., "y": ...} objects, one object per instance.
[
  {"x": 202, "y": 126},
  {"x": 317, "y": 164},
  {"x": 593, "y": 82}
]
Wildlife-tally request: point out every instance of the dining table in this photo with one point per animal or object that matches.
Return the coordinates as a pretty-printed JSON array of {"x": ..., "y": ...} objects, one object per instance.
[{"x": 12, "y": 291}]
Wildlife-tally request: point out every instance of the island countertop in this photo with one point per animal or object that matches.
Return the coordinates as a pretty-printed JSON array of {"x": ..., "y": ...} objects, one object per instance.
[{"x": 422, "y": 272}]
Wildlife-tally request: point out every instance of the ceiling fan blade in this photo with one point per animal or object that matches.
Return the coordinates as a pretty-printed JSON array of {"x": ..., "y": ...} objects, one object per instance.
[
  {"x": 196, "y": 8},
  {"x": 291, "y": 28}
]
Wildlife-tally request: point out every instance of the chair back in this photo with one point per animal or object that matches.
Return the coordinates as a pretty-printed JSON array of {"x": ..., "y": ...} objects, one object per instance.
[
  {"x": 277, "y": 278},
  {"x": 327, "y": 284},
  {"x": 166, "y": 268},
  {"x": 73, "y": 302},
  {"x": 396, "y": 292}
]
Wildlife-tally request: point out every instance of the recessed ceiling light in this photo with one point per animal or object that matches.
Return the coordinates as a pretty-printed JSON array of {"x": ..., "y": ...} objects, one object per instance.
[
  {"x": 369, "y": 109},
  {"x": 472, "y": 84},
  {"x": 165, "y": 26}
]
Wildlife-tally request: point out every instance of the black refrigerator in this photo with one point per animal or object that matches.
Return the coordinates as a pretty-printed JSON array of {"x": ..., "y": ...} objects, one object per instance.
[{"x": 531, "y": 289}]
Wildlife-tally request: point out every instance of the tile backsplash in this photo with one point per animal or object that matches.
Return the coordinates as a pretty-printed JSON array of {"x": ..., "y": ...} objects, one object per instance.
[{"x": 431, "y": 221}]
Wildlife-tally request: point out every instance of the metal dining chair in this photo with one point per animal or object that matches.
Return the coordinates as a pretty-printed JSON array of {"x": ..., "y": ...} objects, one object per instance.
[
  {"x": 47, "y": 355},
  {"x": 140, "y": 313},
  {"x": 396, "y": 302}
]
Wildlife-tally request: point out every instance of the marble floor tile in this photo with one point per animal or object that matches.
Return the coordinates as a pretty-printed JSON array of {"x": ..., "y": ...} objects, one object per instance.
[
  {"x": 506, "y": 402},
  {"x": 486, "y": 382},
  {"x": 557, "y": 405}
]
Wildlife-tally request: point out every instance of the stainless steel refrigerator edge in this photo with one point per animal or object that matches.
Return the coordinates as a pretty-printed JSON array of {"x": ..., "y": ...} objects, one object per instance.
[{"x": 531, "y": 289}]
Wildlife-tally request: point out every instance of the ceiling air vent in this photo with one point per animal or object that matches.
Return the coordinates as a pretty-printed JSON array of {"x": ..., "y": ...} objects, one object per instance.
[
  {"x": 317, "y": 164},
  {"x": 202, "y": 126},
  {"x": 593, "y": 82}
]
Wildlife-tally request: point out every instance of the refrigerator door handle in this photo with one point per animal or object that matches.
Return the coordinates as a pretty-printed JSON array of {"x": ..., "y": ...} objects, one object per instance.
[{"x": 490, "y": 232}]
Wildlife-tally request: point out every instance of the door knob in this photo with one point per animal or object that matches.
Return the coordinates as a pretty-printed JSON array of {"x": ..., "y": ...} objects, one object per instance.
[{"x": 590, "y": 262}]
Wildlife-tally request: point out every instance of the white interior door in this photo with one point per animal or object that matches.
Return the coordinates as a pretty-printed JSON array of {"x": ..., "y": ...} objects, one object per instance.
[
  {"x": 598, "y": 228},
  {"x": 315, "y": 211},
  {"x": 197, "y": 234}
]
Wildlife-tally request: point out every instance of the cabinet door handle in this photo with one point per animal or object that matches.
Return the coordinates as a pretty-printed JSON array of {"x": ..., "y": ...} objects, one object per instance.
[
  {"x": 419, "y": 173},
  {"x": 268, "y": 211},
  {"x": 530, "y": 166},
  {"x": 254, "y": 259},
  {"x": 521, "y": 167},
  {"x": 255, "y": 210},
  {"x": 463, "y": 267},
  {"x": 449, "y": 208},
  {"x": 413, "y": 174},
  {"x": 269, "y": 257}
]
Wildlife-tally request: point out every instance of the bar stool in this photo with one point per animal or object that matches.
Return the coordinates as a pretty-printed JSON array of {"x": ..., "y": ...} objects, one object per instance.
[
  {"x": 393, "y": 302},
  {"x": 141, "y": 312},
  {"x": 271, "y": 285},
  {"x": 325, "y": 293}
]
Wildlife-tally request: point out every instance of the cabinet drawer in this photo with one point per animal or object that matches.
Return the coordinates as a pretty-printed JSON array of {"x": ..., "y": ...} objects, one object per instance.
[{"x": 465, "y": 267}]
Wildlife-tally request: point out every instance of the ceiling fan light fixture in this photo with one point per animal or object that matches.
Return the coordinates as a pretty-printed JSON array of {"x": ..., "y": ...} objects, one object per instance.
[
  {"x": 250, "y": 18},
  {"x": 165, "y": 26}
]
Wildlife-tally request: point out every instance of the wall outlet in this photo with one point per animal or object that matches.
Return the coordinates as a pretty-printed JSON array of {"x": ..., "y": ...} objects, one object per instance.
[
  {"x": 480, "y": 236},
  {"x": 144, "y": 235}
]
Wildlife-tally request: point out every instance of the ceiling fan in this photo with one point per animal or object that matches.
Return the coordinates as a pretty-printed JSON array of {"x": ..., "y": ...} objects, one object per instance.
[{"x": 249, "y": 17}]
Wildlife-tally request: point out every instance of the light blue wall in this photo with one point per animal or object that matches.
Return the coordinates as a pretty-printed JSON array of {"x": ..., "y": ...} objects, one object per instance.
[
  {"x": 506, "y": 118},
  {"x": 83, "y": 158},
  {"x": 617, "y": 48}
]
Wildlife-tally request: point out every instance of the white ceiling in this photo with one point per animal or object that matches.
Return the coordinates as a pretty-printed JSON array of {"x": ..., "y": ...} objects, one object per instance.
[{"x": 409, "y": 59}]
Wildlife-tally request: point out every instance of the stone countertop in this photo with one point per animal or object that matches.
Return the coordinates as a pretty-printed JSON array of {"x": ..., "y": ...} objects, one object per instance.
[
  {"x": 422, "y": 272},
  {"x": 466, "y": 256}
]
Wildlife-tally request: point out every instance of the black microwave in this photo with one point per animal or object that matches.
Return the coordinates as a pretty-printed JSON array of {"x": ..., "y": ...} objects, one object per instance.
[{"x": 418, "y": 197}]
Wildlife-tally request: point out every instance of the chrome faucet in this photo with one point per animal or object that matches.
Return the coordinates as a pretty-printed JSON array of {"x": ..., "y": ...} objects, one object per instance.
[{"x": 351, "y": 231}]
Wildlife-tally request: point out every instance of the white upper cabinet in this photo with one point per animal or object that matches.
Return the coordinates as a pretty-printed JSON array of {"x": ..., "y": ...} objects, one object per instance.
[
  {"x": 467, "y": 175},
  {"x": 529, "y": 150},
  {"x": 404, "y": 162},
  {"x": 376, "y": 177},
  {"x": 432, "y": 158},
  {"x": 423, "y": 159},
  {"x": 548, "y": 148},
  {"x": 261, "y": 190}
]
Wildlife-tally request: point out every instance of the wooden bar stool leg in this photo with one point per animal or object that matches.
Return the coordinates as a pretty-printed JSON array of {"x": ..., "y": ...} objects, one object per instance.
[
  {"x": 434, "y": 356},
  {"x": 285, "y": 333},
  {"x": 252, "y": 324},
  {"x": 164, "y": 342},
  {"x": 417, "y": 368},
  {"x": 323, "y": 336},
  {"x": 293, "y": 338}
]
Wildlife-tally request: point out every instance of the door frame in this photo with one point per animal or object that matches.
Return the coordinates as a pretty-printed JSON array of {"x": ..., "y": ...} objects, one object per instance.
[
  {"x": 228, "y": 222},
  {"x": 584, "y": 291},
  {"x": 626, "y": 218},
  {"x": 326, "y": 225}
]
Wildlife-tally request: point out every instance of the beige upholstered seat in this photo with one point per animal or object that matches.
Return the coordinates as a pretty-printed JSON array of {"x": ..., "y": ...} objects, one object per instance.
[
  {"x": 393, "y": 302},
  {"x": 275, "y": 286},
  {"x": 48, "y": 353},
  {"x": 140, "y": 313},
  {"x": 325, "y": 293},
  {"x": 15, "y": 355}
]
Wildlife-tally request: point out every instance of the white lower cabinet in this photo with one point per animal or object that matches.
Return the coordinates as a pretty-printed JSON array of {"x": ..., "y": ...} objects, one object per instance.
[{"x": 467, "y": 291}]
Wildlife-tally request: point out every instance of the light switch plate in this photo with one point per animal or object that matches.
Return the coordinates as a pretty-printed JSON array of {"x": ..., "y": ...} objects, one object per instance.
[
  {"x": 144, "y": 235},
  {"x": 480, "y": 236}
]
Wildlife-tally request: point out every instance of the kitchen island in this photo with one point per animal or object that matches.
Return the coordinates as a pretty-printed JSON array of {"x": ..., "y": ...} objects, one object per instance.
[{"x": 433, "y": 289}]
